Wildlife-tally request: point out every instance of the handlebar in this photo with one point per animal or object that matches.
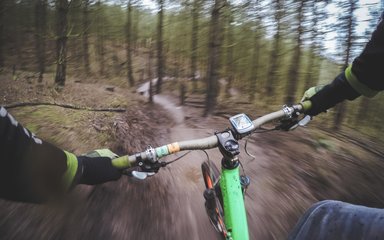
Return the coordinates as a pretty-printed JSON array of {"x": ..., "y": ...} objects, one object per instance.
[{"x": 152, "y": 154}]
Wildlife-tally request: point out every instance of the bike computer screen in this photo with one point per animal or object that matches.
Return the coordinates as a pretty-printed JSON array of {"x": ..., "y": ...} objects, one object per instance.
[{"x": 241, "y": 123}]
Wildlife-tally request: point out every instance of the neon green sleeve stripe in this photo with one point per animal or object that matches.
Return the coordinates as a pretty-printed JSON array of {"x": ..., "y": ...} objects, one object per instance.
[
  {"x": 70, "y": 173},
  {"x": 357, "y": 85}
]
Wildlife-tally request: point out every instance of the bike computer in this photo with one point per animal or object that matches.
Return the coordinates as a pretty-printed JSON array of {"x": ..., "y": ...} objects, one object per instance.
[{"x": 241, "y": 123}]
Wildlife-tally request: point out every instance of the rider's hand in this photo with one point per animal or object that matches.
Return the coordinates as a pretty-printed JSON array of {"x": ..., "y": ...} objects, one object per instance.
[
  {"x": 305, "y": 100},
  {"x": 96, "y": 167},
  {"x": 92, "y": 168},
  {"x": 325, "y": 97}
]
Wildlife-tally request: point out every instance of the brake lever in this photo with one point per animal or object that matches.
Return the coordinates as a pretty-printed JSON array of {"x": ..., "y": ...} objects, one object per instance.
[
  {"x": 141, "y": 175},
  {"x": 292, "y": 124},
  {"x": 143, "y": 171},
  {"x": 304, "y": 121},
  {"x": 301, "y": 123},
  {"x": 137, "y": 173}
]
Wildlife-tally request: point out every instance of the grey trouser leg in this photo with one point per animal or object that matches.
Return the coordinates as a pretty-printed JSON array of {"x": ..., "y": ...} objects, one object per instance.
[{"x": 338, "y": 220}]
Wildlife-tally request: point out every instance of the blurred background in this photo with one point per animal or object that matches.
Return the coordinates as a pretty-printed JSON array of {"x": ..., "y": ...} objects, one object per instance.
[
  {"x": 214, "y": 58},
  {"x": 266, "y": 49}
]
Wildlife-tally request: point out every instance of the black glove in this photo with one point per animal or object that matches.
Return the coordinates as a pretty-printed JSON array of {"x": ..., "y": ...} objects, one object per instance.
[
  {"x": 96, "y": 167},
  {"x": 331, "y": 94}
]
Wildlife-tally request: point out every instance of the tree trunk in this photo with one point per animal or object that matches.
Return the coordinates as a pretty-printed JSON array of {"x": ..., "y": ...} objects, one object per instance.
[
  {"x": 230, "y": 66},
  {"x": 86, "y": 26},
  {"x": 341, "y": 108},
  {"x": 100, "y": 38},
  {"x": 40, "y": 32},
  {"x": 135, "y": 31},
  {"x": 274, "y": 58},
  {"x": 214, "y": 53},
  {"x": 312, "y": 72},
  {"x": 254, "y": 68},
  {"x": 61, "y": 43},
  {"x": 160, "y": 60},
  {"x": 293, "y": 75},
  {"x": 129, "y": 44},
  {"x": 194, "y": 40}
]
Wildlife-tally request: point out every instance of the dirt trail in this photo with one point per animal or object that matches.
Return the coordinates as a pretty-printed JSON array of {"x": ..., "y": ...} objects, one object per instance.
[
  {"x": 187, "y": 203},
  {"x": 292, "y": 170}
]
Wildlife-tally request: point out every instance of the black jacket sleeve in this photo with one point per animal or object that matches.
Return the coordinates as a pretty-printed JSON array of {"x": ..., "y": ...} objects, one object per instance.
[
  {"x": 31, "y": 169},
  {"x": 333, "y": 93},
  {"x": 364, "y": 77},
  {"x": 368, "y": 66}
]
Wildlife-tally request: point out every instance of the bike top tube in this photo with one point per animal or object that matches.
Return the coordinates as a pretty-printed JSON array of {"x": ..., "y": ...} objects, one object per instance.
[{"x": 197, "y": 144}]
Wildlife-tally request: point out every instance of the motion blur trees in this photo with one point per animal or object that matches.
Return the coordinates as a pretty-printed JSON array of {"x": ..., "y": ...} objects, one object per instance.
[
  {"x": 159, "y": 37},
  {"x": 317, "y": 32},
  {"x": 86, "y": 30},
  {"x": 40, "y": 33},
  {"x": 195, "y": 12},
  {"x": 129, "y": 39},
  {"x": 347, "y": 37},
  {"x": 230, "y": 46},
  {"x": 214, "y": 54},
  {"x": 276, "y": 47},
  {"x": 61, "y": 42},
  {"x": 261, "y": 48},
  {"x": 255, "y": 62},
  {"x": 293, "y": 74},
  {"x": 100, "y": 37}
]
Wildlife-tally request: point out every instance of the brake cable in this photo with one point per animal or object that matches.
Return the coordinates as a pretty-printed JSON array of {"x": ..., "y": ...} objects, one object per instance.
[
  {"x": 263, "y": 130},
  {"x": 246, "y": 150},
  {"x": 176, "y": 159}
]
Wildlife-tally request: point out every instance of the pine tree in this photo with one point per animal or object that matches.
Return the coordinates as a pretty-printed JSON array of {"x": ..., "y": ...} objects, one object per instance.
[
  {"x": 62, "y": 7},
  {"x": 129, "y": 44},
  {"x": 348, "y": 22},
  {"x": 214, "y": 54},
  {"x": 160, "y": 57}
]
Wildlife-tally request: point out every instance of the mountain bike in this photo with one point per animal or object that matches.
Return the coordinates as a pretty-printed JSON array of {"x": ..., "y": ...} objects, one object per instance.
[{"x": 224, "y": 192}]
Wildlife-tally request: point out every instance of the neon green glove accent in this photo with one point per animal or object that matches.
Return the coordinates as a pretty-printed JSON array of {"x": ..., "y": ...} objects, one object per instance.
[
  {"x": 121, "y": 162},
  {"x": 305, "y": 102},
  {"x": 72, "y": 165},
  {"x": 102, "y": 153},
  {"x": 311, "y": 92}
]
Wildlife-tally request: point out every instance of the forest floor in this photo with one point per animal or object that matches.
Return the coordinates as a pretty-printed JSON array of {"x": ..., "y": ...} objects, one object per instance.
[{"x": 292, "y": 170}]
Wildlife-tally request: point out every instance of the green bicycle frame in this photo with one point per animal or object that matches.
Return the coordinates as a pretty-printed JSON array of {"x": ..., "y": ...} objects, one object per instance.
[{"x": 235, "y": 217}]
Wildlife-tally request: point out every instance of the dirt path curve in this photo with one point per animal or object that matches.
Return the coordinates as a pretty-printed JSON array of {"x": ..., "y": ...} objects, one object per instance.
[{"x": 187, "y": 203}]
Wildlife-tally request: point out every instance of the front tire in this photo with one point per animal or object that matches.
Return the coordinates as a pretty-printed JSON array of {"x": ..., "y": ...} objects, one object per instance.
[
  {"x": 213, "y": 203},
  {"x": 210, "y": 174}
]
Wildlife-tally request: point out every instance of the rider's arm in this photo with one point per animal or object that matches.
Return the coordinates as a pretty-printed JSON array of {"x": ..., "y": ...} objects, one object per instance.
[
  {"x": 363, "y": 77},
  {"x": 30, "y": 168},
  {"x": 34, "y": 170}
]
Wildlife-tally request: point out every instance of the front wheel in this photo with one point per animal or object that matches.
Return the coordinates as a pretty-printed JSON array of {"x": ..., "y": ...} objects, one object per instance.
[
  {"x": 210, "y": 174},
  {"x": 212, "y": 195}
]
